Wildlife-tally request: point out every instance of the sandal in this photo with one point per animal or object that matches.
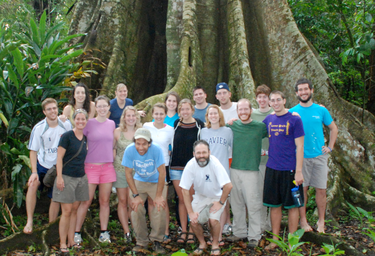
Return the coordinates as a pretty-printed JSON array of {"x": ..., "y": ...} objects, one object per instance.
[
  {"x": 214, "y": 251},
  {"x": 180, "y": 239},
  {"x": 190, "y": 240},
  {"x": 75, "y": 246},
  {"x": 167, "y": 239},
  {"x": 64, "y": 251},
  {"x": 199, "y": 251},
  {"x": 221, "y": 242}
]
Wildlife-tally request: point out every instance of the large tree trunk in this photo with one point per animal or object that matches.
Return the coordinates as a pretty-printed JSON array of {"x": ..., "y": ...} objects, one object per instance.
[{"x": 157, "y": 46}]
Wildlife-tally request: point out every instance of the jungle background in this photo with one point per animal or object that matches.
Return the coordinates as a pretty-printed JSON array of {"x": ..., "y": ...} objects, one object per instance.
[{"x": 157, "y": 46}]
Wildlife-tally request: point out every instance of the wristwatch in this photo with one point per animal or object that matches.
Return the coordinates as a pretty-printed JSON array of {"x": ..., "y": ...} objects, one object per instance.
[
  {"x": 135, "y": 195},
  {"x": 221, "y": 202}
]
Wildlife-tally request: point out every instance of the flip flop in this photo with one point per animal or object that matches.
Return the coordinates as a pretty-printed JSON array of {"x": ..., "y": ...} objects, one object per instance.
[
  {"x": 75, "y": 246},
  {"x": 64, "y": 251},
  {"x": 213, "y": 251},
  {"x": 199, "y": 251}
]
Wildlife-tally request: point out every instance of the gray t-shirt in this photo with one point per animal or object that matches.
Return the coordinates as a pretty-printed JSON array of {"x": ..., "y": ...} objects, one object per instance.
[{"x": 219, "y": 140}]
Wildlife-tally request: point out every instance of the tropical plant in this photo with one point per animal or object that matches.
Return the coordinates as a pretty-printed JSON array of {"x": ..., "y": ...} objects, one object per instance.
[
  {"x": 331, "y": 249},
  {"x": 33, "y": 66},
  {"x": 291, "y": 247}
]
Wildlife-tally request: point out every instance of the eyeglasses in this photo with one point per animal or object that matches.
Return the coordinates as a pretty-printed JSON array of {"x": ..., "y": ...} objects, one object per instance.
[
  {"x": 278, "y": 100},
  {"x": 80, "y": 110}
]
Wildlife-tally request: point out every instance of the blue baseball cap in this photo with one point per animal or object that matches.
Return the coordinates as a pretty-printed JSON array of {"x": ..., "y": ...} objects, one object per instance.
[{"x": 222, "y": 86}]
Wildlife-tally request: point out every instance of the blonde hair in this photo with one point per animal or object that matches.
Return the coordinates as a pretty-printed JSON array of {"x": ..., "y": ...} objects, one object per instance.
[
  {"x": 122, "y": 120},
  {"x": 184, "y": 101},
  {"x": 221, "y": 116}
]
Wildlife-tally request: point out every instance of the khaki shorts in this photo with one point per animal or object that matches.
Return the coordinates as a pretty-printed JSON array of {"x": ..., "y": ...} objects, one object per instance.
[
  {"x": 200, "y": 201},
  {"x": 121, "y": 181},
  {"x": 315, "y": 171},
  {"x": 76, "y": 189}
]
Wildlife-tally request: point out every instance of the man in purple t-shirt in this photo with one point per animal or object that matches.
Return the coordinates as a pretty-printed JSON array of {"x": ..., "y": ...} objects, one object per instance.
[{"x": 284, "y": 164}]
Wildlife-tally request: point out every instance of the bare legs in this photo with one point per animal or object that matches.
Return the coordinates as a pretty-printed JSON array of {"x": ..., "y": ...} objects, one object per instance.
[
  {"x": 54, "y": 207},
  {"x": 276, "y": 214},
  {"x": 321, "y": 202},
  {"x": 104, "y": 194},
  {"x": 30, "y": 206},
  {"x": 67, "y": 223},
  {"x": 181, "y": 205},
  {"x": 122, "y": 208},
  {"x": 302, "y": 211}
]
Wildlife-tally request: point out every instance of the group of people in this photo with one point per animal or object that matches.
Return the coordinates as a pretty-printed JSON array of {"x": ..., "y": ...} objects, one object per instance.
[{"x": 217, "y": 158}]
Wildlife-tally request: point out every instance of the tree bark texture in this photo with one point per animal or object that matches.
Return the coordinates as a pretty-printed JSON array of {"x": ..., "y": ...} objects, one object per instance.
[{"x": 158, "y": 46}]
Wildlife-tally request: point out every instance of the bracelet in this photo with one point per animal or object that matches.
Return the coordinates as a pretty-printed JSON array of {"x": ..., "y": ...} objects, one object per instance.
[{"x": 330, "y": 148}]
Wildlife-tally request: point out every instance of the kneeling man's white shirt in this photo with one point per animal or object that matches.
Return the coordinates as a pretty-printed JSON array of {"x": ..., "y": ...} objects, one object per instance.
[{"x": 207, "y": 180}]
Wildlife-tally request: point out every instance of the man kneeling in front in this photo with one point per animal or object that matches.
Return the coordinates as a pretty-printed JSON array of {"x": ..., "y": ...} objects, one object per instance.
[{"x": 212, "y": 187}]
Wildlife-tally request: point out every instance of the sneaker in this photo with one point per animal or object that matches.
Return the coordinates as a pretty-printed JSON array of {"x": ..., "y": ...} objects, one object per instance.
[
  {"x": 77, "y": 238},
  {"x": 227, "y": 229},
  {"x": 128, "y": 238},
  {"x": 104, "y": 237},
  {"x": 252, "y": 243},
  {"x": 158, "y": 248}
]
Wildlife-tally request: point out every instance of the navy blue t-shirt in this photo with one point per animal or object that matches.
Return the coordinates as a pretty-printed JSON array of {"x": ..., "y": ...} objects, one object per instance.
[{"x": 116, "y": 111}]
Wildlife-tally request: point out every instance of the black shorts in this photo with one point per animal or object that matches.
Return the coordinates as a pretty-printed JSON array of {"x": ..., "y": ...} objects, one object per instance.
[{"x": 277, "y": 189}]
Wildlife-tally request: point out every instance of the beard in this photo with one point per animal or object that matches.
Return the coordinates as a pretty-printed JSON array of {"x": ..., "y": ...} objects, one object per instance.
[
  {"x": 202, "y": 162},
  {"x": 247, "y": 117},
  {"x": 307, "y": 100}
]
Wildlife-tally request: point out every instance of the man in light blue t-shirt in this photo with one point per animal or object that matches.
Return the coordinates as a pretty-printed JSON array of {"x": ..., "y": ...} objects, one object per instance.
[
  {"x": 315, "y": 169},
  {"x": 147, "y": 159}
]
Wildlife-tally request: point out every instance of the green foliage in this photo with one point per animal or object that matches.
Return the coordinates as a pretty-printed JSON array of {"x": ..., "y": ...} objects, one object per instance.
[
  {"x": 331, "y": 249},
  {"x": 291, "y": 247},
  {"x": 342, "y": 32},
  {"x": 33, "y": 66}
]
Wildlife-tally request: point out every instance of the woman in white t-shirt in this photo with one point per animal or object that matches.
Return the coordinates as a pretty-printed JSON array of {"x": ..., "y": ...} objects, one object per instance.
[
  {"x": 220, "y": 139},
  {"x": 161, "y": 134}
]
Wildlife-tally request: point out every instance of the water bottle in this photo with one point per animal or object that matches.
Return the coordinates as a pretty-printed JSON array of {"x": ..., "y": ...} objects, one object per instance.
[{"x": 298, "y": 202}]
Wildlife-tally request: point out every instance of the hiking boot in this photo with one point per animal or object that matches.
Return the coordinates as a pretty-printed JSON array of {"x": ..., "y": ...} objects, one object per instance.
[
  {"x": 104, "y": 237},
  {"x": 158, "y": 248},
  {"x": 77, "y": 238}
]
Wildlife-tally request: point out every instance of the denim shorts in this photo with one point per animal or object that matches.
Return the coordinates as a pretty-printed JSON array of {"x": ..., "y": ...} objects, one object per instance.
[{"x": 175, "y": 174}]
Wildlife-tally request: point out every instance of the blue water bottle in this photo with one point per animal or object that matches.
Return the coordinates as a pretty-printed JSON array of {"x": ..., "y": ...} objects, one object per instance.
[{"x": 298, "y": 202}]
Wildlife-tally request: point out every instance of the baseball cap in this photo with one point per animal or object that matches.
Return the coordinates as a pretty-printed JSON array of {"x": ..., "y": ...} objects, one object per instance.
[
  {"x": 142, "y": 133},
  {"x": 222, "y": 86}
]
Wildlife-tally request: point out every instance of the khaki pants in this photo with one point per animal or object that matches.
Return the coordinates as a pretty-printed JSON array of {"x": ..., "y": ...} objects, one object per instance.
[
  {"x": 139, "y": 219},
  {"x": 247, "y": 192}
]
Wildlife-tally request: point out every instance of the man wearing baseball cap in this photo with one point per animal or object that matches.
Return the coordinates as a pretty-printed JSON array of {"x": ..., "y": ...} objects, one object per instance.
[
  {"x": 147, "y": 159},
  {"x": 228, "y": 107}
]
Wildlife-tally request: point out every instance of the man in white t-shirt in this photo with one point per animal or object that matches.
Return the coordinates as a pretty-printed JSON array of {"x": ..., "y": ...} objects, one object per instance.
[
  {"x": 228, "y": 107},
  {"x": 43, "y": 143},
  {"x": 212, "y": 187},
  {"x": 147, "y": 160}
]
